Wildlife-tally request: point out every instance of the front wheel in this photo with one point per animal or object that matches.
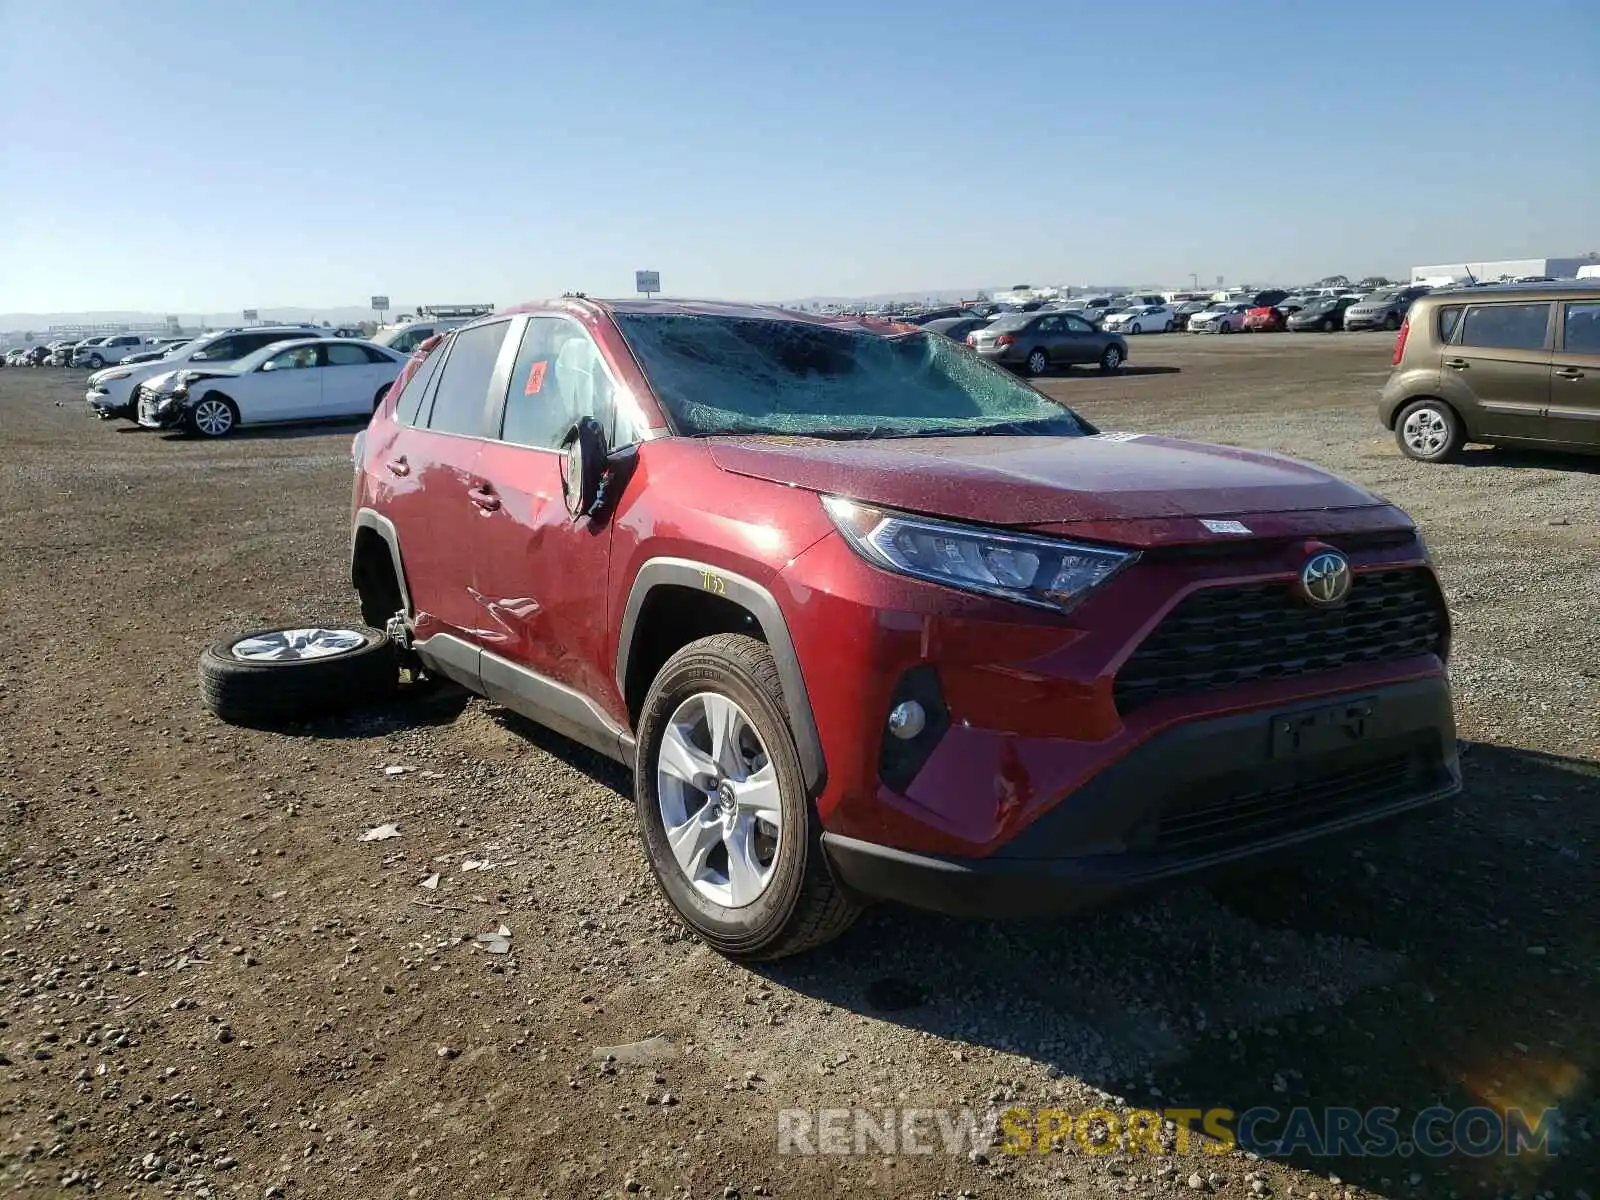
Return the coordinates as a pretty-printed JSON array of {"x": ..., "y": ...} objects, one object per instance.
[
  {"x": 96, "y": 361},
  {"x": 1038, "y": 363},
  {"x": 1327, "y": 325},
  {"x": 1391, "y": 322},
  {"x": 727, "y": 825},
  {"x": 213, "y": 416},
  {"x": 1110, "y": 359}
]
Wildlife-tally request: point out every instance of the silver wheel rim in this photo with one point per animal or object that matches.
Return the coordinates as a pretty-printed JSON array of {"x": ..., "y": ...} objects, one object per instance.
[
  {"x": 1426, "y": 431},
  {"x": 297, "y": 645},
  {"x": 1036, "y": 362},
  {"x": 718, "y": 794},
  {"x": 1112, "y": 358},
  {"x": 213, "y": 418}
]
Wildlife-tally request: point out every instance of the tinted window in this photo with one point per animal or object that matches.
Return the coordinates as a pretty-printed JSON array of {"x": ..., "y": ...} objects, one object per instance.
[
  {"x": 410, "y": 401},
  {"x": 1449, "y": 322},
  {"x": 377, "y": 356},
  {"x": 255, "y": 341},
  {"x": 1505, "y": 326},
  {"x": 464, "y": 380},
  {"x": 347, "y": 356},
  {"x": 558, "y": 378},
  {"x": 1074, "y": 325},
  {"x": 1582, "y": 328},
  {"x": 224, "y": 349}
]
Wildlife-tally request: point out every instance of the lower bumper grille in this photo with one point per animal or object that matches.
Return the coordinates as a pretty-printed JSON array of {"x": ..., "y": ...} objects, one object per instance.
[{"x": 1218, "y": 822}]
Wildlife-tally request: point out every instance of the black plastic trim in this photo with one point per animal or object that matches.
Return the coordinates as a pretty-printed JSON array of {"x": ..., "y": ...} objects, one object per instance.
[
  {"x": 366, "y": 518},
  {"x": 759, "y": 602}
]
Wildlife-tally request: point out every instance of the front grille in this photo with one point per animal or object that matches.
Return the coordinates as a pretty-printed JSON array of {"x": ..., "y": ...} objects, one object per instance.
[
  {"x": 1218, "y": 822},
  {"x": 1224, "y": 636}
]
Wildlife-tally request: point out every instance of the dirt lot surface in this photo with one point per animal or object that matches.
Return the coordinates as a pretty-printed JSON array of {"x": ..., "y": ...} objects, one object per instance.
[{"x": 210, "y": 986}]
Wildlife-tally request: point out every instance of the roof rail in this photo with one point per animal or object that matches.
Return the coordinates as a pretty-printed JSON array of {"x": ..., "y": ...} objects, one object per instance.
[{"x": 446, "y": 312}]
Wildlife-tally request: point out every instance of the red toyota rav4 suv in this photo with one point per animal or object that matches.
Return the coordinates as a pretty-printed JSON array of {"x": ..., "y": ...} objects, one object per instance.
[{"x": 872, "y": 619}]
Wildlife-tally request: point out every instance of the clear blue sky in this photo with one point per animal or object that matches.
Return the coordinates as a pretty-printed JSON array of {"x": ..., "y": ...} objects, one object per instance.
[{"x": 194, "y": 156}]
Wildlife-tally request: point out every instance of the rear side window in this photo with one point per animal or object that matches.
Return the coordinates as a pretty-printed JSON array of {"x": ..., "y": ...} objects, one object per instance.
[
  {"x": 1449, "y": 322},
  {"x": 347, "y": 356},
  {"x": 410, "y": 401},
  {"x": 1505, "y": 326},
  {"x": 1582, "y": 328},
  {"x": 224, "y": 349},
  {"x": 458, "y": 401}
]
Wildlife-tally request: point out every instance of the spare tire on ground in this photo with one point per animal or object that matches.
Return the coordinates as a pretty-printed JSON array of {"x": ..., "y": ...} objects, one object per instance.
[{"x": 275, "y": 676}]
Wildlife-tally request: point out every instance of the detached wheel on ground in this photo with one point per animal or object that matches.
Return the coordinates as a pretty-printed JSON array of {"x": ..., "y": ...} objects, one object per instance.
[
  {"x": 1110, "y": 359},
  {"x": 269, "y": 677},
  {"x": 1429, "y": 431},
  {"x": 732, "y": 836},
  {"x": 213, "y": 416}
]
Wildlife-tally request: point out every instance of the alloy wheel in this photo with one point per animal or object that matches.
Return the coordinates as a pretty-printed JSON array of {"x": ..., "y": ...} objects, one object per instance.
[
  {"x": 297, "y": 645},
  {"x": 720, "y": 805},
  {"x": 213, "y": 418}
]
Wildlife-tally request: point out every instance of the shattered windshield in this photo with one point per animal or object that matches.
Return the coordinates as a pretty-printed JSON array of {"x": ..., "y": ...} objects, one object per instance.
[{"x": 732, "y": 375}]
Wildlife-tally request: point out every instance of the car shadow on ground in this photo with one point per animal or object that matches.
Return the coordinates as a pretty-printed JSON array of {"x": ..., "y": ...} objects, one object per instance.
[
  {"x": 1505, "y": 456},
  {"x": 1127, "y": 370},
  {"x": 1449, "y": 962},
  {"x": 415, "y": 706},
  {"x": 277, "y": 433}
]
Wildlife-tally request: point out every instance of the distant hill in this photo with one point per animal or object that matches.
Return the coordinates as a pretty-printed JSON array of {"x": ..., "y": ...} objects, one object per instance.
[{"x": 290, "y": 314}]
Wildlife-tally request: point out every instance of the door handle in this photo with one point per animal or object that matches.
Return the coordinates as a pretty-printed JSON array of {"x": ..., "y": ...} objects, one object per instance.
[
  {"x": 483, "y": 496},
  {"x": 398, "y": 466},
  {"x": 1457, "y": 364},
  {"x": 1570, "y": 373}
]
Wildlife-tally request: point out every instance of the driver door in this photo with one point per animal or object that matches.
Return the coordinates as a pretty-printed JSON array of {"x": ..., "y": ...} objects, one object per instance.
[
  {"x": 287, "y": 387},
  {"x": 540, "y": 576}
]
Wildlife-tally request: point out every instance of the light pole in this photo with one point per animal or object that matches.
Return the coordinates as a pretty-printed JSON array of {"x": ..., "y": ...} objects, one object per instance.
[{"x": 1194, "y": 278}]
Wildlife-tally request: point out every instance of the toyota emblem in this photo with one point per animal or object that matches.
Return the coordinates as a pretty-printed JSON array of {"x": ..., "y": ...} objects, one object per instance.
[{"x": 1325, "y": 579}]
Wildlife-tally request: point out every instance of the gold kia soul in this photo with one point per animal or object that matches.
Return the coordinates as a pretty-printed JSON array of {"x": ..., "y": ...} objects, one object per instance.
[{"x": 1512, "y": 365}]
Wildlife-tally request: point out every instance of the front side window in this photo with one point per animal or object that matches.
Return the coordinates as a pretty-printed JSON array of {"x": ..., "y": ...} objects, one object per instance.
[
  {"x": 458, "y": 401},
  {"x": 1505, "y": 326},
  {"x": 1581, "y": 329},
  {"x": 559, "y": 377},
  {"x": 297, "y": 359},
  {"x": 733, "y": 375}
]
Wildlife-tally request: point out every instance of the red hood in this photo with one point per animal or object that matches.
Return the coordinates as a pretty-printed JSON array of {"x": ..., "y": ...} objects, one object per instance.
[{"x": 1057, "y": 480}]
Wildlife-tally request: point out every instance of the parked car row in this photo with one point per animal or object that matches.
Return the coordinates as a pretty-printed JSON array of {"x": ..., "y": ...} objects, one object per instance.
[{"x": 209, "y": 386}]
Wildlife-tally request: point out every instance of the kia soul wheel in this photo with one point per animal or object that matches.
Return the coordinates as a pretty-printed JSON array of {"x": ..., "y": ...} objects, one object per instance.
[{"x": 731, "y": 834}]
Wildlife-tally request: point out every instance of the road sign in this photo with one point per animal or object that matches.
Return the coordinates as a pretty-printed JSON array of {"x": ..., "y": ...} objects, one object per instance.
[
  {"x": 380, "y": 303},
  {"x": 251, "y": 314},
  {"x": 648, "y": 282}
]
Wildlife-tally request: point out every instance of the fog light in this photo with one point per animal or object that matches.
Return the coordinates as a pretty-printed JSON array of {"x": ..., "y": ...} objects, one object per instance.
[{"x": 907, "y": 719}]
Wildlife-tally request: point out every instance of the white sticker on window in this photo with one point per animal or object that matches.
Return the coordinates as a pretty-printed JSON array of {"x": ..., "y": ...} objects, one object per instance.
[
  {"x": 1225, "y": 526},
  {"x": 1118, "y": 437}
]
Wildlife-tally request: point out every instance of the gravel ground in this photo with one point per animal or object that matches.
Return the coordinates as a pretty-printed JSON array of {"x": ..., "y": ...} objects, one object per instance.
[{"x": 210, "y": 986}]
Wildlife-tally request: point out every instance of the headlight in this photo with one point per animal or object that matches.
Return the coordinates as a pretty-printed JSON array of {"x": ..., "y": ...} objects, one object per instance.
[{"x": 1043, "y": 572}]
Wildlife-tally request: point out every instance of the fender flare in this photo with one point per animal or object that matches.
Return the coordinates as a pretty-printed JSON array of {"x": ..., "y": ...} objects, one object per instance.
[
  {"x": 761, "y": 604},
  {"x": 366, "y": 518}
]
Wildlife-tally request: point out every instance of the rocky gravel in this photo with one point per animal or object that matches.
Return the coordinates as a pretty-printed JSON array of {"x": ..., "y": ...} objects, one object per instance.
[{"x": 215, "y": 982}]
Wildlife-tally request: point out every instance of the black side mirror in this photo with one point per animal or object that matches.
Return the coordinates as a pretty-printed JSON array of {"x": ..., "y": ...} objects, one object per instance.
[{"x": 584, "y": 466}]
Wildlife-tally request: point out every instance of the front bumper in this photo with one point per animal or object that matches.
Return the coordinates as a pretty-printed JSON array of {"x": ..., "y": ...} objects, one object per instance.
[
  {"x": 151, "y": 415},
  {"x": 1352, "y": 324},
  {"x": 1188, "y": 802},
  {"x": 107, "y": 405}
]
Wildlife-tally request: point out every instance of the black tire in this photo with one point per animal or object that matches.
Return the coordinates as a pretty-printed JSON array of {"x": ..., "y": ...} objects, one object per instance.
[
  {"x": 802, "y": 906},
  {"x": 1111, "y": 360},
  {"x": 96, "y": 362},
  {"x": 1038, "y": 362},
  {"x": 1327, "y": 325},
  {"x": 1223, "y": 327},
  {"x": 1392, "y": 322},
  {"x": 192, "y": 426},
  {"x": 274, "y": 693},
  {"x": 377, "y": 400},
  {"x": 1454, "y": 437}
]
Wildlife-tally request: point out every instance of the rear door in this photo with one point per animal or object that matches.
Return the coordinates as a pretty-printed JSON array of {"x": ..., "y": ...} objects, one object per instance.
[
  {"x": 1501, "y": 353},
  {"x": 437, "y": 505},
  {"x": 351, "y": 380},
  {"x": 1575, "y": 375}
]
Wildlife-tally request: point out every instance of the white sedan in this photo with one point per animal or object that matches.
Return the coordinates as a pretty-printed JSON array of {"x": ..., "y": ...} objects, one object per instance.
[
  {"x": 1222, "y": 317},
  {"x": 308, "y": 379},
  {"x": 1141, "y": 318}
]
